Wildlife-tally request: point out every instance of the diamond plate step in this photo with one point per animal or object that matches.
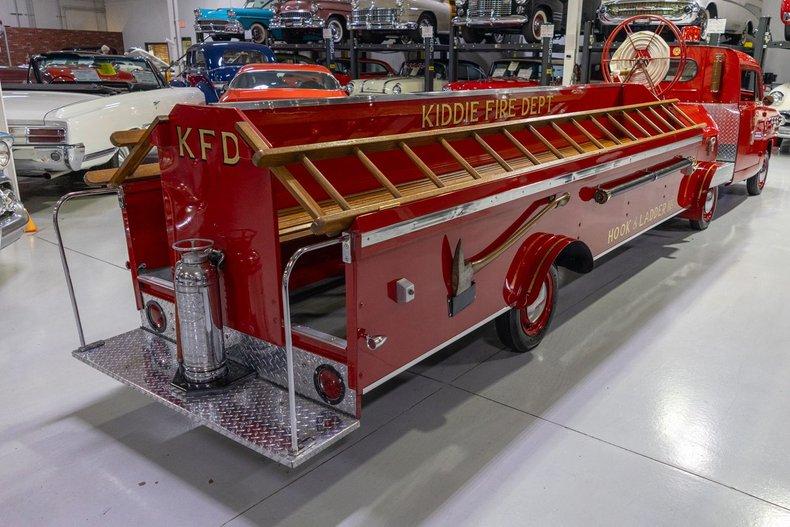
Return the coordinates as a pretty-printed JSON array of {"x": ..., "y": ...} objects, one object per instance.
[{"x": 254, "y": 413}]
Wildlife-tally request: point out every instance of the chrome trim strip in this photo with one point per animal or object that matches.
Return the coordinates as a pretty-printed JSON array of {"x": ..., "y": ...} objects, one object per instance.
[
  {"x": 320, "y": 336},
  {"x": 724, "y": 174},
  {"x": 429, "y": 220},
  {"x": 434, "y": 350},
  {"x": 100, "y": 153}
]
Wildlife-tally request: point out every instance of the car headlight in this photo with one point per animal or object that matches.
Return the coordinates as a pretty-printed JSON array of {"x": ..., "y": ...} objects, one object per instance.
[
  {"x": 197, "y": 13},
  {"x": 354, "y": 4},
  {"x": 314, "y": 7},
  {"x": 446, "y": 87},
  {"x": 397, "y": 89},
  {"x": 460, "y": 2},
  {"x": 521, "y": 2},
  {"x": 350, "y": 88},
  {"x": 5, "y": 154},
  {"x": 231, "y": 13},
  {"x": 778, "y": 96},
  {"x": 398, "y": 3}
]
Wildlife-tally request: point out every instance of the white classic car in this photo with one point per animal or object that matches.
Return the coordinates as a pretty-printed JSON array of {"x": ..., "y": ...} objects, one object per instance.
[
  {"x": 411, "y": 78},
  {"x": 13, "y": 216},
  {"x": 62, "y": 120},
  {"x": 781, "y": 97}
]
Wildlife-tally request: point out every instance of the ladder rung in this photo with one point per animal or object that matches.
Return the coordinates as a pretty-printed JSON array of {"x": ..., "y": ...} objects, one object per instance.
[
  {"x": 298, "y": 191},
  {"x": 636, "y": 125},
  {"x": 672, "y": 116},
  {"x": 493, "y": 153},
  {"x": 587, "y": 134},
  {"x": 663, "y": 121},
  {"x": 523, "y": 149},
  {"x": 620, "y": 127},
  {"x": 378, "y": 174},
  {"x": 568, "y": 138},
  {"x": 605, "y": 130},
  {"x": 548, "y": 145},
  {"x": 681, "y": 112},
  {"x": 460, "y": 159},
  {"x": 653, "y": 125},
  {"x": 325, "y": 184},
  {"x": 425, "y": 169}
]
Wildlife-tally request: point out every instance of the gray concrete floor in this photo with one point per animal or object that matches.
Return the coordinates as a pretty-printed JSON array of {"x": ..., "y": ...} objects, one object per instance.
[{"x": 660, "y": 397}]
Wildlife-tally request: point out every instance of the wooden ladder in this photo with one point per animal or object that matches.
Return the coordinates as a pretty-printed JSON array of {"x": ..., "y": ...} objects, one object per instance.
[{"x": 596, "y": 131}]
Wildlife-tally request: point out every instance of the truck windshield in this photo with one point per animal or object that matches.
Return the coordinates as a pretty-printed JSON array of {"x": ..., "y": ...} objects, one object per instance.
[
  {"x": 274, "y": 79},
  {"x": 99, "y": 69}
]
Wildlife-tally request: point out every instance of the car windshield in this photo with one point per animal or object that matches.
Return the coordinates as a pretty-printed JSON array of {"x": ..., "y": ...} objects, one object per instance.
[
  {"x": 516, "y": 69},
  {"x": 273, "y": 79},
  {"x": 242, "y": 57},
  {"x": 255, "y": 3},
  {"x": 100, "y": 69},
  {"x": 417, "y": 69}
]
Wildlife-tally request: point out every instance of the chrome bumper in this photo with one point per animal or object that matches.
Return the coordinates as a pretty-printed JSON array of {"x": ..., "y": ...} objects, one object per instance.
[
  {"x": 381, "y": 26},
  {"x": 514, "y": 21},
  {"x": 312, "y": 22},
  {"x": 379, "y": 20},
  {"x": 45, "y": 159},
  {"x": 12, "y": 225},
  {"x": 679, "y": 13},
  {"x": 232, "y": 27},
  {"x": 784, "y": 132}
]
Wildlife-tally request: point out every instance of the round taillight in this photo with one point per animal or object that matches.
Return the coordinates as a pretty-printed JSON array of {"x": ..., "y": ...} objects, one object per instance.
[
  {"x": 156, "y": 316},
  {"x": 329, "y": 384}
]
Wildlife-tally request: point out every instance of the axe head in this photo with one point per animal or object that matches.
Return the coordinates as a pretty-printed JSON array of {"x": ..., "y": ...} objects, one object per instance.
[{"x": 462, "y": 272}]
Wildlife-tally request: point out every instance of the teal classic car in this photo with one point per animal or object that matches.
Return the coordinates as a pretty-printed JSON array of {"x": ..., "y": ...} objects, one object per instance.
[{"x": 225, "y": 23}]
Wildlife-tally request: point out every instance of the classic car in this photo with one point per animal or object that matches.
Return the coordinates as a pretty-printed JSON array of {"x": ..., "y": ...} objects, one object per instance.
[
  {"x": 299, "y": 20},
  {"x": 13, "y": 216},
  {"x": 261, "y": 82},
  {"x": 411, "y": 78},
  {"x": 781, "y": 101},
  {"x": 481, "y": 20},
  {"x": 785, "y": 17},
  {"x": 61, "y": 122},
  {"x": 742, "y": 15},
  {"x": 368, "y": 68},
  {"x": 378, "y": 19},
  {"x": 209, "y": 66},
  {"x": 510, "y": 73},
  {"x": 225, "y": 23}
]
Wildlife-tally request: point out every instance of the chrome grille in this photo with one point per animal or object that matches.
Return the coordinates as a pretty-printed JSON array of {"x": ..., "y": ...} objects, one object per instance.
[
  {"x": 670, "y": 10},
  {"x": 375, "y": 16},
  {"x": 489, "y": 8},
  {"x": 295, "y": 16},
  {"x": 211, "y": 24}
]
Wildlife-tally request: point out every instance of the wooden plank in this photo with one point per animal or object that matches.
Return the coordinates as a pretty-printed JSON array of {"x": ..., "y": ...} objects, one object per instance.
[
  {"x": 672, "y": 116},
  {"x": 620, "y": 127},
  {"x": 548, "y": 145},
  {"x": 493, "y": 153},
  {"x": 99, "y": 178},
  {"x": 299, "y": 193},
  {"x": 636, "y": 125},
  {"x": 459, "y": 158},
  {"x": 378, "y": 174},
  {"x": 663, "y": 121},
  {"x": 681, "y": 112},
  {"x": 285, "y": 155},
  {"x": 523, "y": 149},
  {"x": 136, "y": 156},
  {"x": 587, "y": 134},
  {"x": 653, "y": 125},
  {"x": 605, "y": 130},
  {"x": 567, "y": 138},
  {"x": 127, "y": 137},
  {"x": 325, "y": 184},
  {"x": 425, "y": 169}
]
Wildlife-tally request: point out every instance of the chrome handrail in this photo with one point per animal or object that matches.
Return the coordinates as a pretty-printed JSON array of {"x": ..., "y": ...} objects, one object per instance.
[
  {"x": 62, "y": 249},
  {"x": 289, "y": 352}
]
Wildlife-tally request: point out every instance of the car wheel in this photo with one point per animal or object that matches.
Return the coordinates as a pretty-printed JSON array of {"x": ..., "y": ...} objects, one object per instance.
[
  {"x": 424, "y": 20},
  {"x": 260, "y": 33},
  {"x": 707, "y": 210},
  {"x": 756, "y": 183},
  {"x": 531, "y": 30},
  {"x": 522, "y": 329},
  {"x": 338, "y": 28},
  {"x": 472, "y": 35}
]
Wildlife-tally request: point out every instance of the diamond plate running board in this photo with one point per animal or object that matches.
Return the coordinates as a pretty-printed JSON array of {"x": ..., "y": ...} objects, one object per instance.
[{"x": 254, "y": 413}]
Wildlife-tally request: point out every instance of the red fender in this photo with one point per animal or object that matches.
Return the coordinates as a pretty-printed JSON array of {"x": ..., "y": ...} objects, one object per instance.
[
  {"x": 533, "y": 260},
  {"x": 694, "y": 187}
]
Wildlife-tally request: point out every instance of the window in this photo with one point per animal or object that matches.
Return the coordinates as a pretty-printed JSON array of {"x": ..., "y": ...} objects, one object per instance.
[
  {"x": 242, "y": 57},
  {"x": 257, "y": 4},
  {"x": 689, "y": 71},
  {"x": 264, "y": 80},
  {"x": 199, "y": 59},
  {"x": 373, "y": 68},
  {"x": 469, "y": 72},
  {"x": 751, "y": 87}
]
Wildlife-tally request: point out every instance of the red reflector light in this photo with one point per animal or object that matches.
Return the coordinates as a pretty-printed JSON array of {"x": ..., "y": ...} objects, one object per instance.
[
  {"x": 156, "y": 316},
  {"x": 329, "y": 384}
]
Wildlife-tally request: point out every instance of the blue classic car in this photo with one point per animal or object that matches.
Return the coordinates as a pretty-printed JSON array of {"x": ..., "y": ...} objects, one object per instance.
[
  {"x": 225, "y": 23},
  {"x": 210, "y": 66}
]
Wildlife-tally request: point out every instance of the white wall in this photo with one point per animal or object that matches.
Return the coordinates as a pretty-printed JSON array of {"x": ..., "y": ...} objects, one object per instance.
[
  {"x": 776, "y": 60},
  {"x": 57, "y": 14}
]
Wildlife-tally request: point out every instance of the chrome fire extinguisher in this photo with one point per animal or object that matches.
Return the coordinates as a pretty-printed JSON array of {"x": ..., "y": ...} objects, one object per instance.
[{"x": 204, "y": 364}]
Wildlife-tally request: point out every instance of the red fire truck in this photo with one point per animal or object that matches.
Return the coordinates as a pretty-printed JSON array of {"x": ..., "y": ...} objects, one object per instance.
[{"x": 288, "y": 259}]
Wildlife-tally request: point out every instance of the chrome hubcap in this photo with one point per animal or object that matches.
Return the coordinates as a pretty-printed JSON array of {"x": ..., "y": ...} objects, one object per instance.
[
  {"x": 710, "y": 199},
  {"x": 336, "y": 29},
  {"x": 535, "y": 309}
]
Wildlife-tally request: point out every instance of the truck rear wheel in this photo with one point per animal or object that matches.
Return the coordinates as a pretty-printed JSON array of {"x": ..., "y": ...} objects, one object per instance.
[
  {"x": 523, "y": 329},
  {"x": 707, "y": 210},
  {"x": 755, "y": 184}
]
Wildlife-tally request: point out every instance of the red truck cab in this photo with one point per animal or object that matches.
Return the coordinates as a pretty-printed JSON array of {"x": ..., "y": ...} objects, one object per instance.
[{"x": 729, "y": 85}]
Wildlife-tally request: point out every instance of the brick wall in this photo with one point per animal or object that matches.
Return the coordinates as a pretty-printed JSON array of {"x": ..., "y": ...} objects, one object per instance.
[{"x": 25, "y": 41}]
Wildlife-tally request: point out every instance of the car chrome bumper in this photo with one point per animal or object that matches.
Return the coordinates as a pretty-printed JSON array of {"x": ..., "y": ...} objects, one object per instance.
[
  {"x": 681, "y": 13},
  {"x": 12, "y": 225},
  {"x": 784, "y": 132},
  {"x": 228, "y": 28},
  {"x": 383, "y": 26},
  {"x": 514, "y": 21},
  {"x": 36, "y": 160},
  {"x": 297, "y": 23}
]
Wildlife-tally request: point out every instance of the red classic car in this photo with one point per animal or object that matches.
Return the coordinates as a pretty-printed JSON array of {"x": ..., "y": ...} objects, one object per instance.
[
  {"x": 368, "y": 68},
  {"x": 785, "y": 12},
  {"x": 260, "y": 82},
  {"x": 300, "y": 19},
  {"x": 509, "y": 73}
]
